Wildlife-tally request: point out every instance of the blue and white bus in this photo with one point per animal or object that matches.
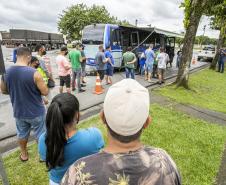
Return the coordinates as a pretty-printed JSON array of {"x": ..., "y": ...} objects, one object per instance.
[{"x": 121, "y": 37}]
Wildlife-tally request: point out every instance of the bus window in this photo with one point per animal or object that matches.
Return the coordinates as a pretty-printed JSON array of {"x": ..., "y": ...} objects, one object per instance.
[
  {"x": 134, "y": 39},
  {"x": 115, "y": 38},
  {"x": 93, "y": 34}
]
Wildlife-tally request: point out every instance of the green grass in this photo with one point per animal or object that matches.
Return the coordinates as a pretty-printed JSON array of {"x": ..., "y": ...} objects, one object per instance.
[
  {"x": 195, "y": 145},
  {"x": 208, "y": 90}
]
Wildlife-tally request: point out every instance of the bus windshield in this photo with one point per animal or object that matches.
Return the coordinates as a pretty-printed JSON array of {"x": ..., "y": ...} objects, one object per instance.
[{"x": 93, "y": 34}]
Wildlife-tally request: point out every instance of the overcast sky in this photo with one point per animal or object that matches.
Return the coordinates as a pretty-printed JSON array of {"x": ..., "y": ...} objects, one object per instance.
[{"x": 43, "y": 14}]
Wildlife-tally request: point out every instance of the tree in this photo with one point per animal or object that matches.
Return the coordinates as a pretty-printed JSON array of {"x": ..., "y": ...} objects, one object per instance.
[
  {"x": 73, "y": 20},
  {"x": 194, "y": 9},
  {"x": 179, "y": 41},
  {"x": 205, "y": 40},
  {"x": 76, "y": 17},
  {"x": 218, "y": 22}
]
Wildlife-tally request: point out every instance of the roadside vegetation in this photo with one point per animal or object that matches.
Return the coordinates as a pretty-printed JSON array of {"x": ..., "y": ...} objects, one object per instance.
[
  {"x": 195, "y": 145},
  {"x": 207, "y": 90}
]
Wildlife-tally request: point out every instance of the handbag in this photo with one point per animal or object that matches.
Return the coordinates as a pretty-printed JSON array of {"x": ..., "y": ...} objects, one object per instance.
[{"x": 51, "y": 83}]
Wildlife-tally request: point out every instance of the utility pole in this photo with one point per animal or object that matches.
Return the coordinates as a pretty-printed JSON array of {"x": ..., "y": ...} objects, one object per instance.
[
  {"x": 136, "y": 22},
  {"x": 3, "y": 173}
]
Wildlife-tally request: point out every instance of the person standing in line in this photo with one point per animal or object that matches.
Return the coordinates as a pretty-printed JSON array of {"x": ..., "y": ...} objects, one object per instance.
[
  {"x": 35, "y": 64},
  {"x": 83, "y": 64},
  {"x": 125, "y": 159},
  {"x": 150, "y": 57},
  {"x": 75, "y": 58},
  {"x": 41, "y": 52},
  {"x": 222, "y": 60},
  {"x": 25, "y": 85},
  {"x": 162, "y": 59},
  {"x": 179, "y": 57},
  {"x": 110, "y": 65},
  {"x": 129, "y": 59},
  {"x": 101, "y": 62},
  {"x": 45, "y": 66},
  {"x": 63, "y": 144},
  {"x": 155, "y": 65},
  {"x": 64, "y": 70},
  {"x": 142, "y": 64}
]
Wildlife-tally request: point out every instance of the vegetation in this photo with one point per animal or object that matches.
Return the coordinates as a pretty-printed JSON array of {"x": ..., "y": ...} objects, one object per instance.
[
  {"x": 76, "y": 17},
  {"x": 207, "y": 91},
  {"x": 195, "y": 145},
  {"x": 205, "y": 40},
  {"x": 199, "y": 40},
  {"x": 194, "y": 9},
  {"x": 218, "y": 22}
]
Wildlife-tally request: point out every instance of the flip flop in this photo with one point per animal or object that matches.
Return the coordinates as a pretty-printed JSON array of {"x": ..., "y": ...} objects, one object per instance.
[{"x": 23, "y": 160}]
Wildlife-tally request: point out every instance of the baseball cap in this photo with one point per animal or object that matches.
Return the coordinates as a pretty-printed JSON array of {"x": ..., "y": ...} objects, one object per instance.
[{"x": 126, "y": 107}]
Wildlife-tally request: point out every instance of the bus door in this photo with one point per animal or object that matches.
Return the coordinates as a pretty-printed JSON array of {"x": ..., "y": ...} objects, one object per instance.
[
  {"x": 116, "y": 47},
  {"x": 170, "y": 47},
  {"x": 135, "y": 40}
]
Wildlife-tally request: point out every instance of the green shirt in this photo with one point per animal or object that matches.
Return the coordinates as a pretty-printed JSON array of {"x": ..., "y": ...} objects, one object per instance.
[
  {"x": 74, "y": 57},
  {"x": 156, "y": 54},
  {"x": 129, "y": 57}
]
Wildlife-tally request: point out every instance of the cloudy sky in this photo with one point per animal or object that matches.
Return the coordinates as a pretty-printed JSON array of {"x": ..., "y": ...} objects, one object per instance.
[{"x": 43, "y": 14}]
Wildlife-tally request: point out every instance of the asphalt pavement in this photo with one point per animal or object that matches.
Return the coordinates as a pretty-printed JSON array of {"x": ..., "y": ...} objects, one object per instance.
[{"x": 86, "y": 99}]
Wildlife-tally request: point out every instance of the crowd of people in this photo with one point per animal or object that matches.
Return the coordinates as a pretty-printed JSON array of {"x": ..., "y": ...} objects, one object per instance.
[
  {"x": 72, "y": 69},
  {"x": 81, "y": 156}
]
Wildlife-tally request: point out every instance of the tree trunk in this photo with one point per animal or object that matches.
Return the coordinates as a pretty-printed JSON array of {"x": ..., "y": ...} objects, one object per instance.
[
  {"x": 189, "y": 39},
  {"x": 219, "y": 45}
]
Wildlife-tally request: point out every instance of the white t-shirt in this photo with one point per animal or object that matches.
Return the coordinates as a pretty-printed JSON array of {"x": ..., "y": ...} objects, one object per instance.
[{"x": 162, "y": 59}]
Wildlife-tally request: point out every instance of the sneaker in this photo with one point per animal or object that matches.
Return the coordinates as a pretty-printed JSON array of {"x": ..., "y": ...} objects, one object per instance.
[
  {"x": 73, "y": 89},
  {"x": 82, "y": 85},
  {"x": 81, "y": 90},
  {"x": 83, "y": 82}
]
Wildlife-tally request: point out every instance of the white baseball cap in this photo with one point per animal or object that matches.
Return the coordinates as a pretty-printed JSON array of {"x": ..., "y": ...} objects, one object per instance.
[{"x": 126, "y": 107}]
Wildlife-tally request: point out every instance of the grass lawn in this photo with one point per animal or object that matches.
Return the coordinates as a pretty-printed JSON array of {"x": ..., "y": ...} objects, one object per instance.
[
  {"x": 195, "y": 145},
  {"x": 208, "y": 90}
]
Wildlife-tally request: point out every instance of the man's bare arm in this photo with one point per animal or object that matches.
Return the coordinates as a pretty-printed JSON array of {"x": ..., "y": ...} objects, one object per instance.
[
  {"x": 41, "y": 84},
  {"x": 133, "y": 61}
]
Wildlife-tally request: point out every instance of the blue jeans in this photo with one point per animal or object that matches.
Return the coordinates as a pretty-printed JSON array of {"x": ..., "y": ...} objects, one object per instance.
[
  {"x": 24, "y": 127},
  {"x": 77, "y": 73},
  {"x": 221, "y": 65},
  {"x": 130, "y": 72},
  {"x": 142, "y": 70}
]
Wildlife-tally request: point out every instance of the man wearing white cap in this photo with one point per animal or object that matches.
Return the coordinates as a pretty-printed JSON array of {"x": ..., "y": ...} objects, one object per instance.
[{"x": 125, "y": 160}]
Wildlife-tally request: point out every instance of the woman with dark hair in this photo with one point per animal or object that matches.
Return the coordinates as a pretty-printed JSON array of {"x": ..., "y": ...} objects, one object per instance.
[{"x": 63, "y": 144}]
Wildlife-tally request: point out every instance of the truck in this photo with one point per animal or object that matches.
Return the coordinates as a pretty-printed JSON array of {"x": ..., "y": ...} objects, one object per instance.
[{"x": 32, "y": 38}]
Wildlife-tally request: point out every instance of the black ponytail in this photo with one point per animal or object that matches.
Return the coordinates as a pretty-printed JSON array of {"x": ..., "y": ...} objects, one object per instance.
[{"x": 61, "y": 112}]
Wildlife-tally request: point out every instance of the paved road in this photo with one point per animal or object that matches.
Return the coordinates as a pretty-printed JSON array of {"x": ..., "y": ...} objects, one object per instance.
[{"x": 87, "y": 99}]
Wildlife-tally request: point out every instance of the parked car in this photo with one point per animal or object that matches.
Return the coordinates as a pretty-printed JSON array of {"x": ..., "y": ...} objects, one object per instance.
[{"x": 207, "y": 53}]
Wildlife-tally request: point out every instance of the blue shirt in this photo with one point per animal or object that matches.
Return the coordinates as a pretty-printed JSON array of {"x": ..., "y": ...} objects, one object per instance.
[
  {"x": 109, "y": 55},
  {"x": 25, "y": 97},
  {"x": 14, "y": 55},
  {"x": 85, "y": 142},
  {"x": 150, "y": 56}
]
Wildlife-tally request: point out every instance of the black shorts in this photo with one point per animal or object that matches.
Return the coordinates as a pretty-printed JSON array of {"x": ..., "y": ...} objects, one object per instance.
[
  {"x": 101, "y": 73},
  {"x": 65, "y": 80}
]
